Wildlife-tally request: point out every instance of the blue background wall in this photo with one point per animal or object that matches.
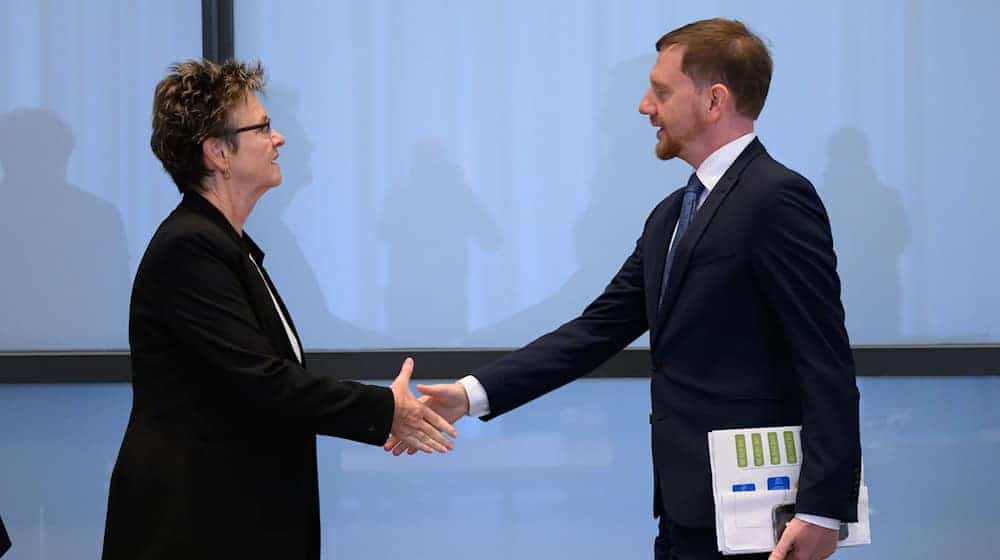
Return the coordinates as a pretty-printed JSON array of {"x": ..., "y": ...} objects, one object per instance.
[
  {"x": 469, "y": 174},
  {"x": 567, "y": 476},
  {"x": 484, "y": 163}
]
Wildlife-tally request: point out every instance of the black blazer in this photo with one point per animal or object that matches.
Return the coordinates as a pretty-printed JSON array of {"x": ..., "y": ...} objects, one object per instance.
[
  {"x": 219, "y": 457},
  {"x": 4, "y": 539},
  {"x": 750, "y": 334}
]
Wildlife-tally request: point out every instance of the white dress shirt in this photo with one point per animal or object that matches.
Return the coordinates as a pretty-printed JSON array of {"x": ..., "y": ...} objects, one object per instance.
[{"x": 709, "y": 173}]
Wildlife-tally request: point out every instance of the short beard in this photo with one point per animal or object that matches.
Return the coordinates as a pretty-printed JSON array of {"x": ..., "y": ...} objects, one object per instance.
[
  {"x": 671, "y": 147},
  {"x": 667, "y": 148}
]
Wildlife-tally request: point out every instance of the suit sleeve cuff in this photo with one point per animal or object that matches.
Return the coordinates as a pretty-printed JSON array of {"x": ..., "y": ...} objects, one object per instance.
[
  {"x": 479, "y": 403},
  {"x": 825, "y": 522}
]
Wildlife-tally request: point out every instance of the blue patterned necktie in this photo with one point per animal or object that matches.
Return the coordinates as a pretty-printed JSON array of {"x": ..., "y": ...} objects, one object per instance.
[{"x": 689, "y": 206}]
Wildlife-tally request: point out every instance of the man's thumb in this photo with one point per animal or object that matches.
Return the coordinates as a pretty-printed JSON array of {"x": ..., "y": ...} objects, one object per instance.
[{"x": 432, "y": 390}]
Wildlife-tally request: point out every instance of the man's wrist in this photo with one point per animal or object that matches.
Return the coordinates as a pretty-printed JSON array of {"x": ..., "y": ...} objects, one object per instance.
[
  {"x": 479, "y": 403},
  {"x": 819, "y": 520}
]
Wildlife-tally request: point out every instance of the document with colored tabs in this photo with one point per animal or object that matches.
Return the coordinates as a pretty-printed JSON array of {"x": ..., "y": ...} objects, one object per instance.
[{"x": 755, "y": 475}]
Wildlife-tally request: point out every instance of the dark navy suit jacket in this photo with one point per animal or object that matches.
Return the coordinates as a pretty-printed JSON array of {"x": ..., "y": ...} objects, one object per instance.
[{"x": 750, "y": 333}]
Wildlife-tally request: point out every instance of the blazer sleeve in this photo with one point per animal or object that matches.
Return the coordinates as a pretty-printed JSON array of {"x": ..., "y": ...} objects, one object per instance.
[
  {"x": 606, "y": 326},
  {"x": 200, "y": 298},
  {"x": 793, "y": 258}
]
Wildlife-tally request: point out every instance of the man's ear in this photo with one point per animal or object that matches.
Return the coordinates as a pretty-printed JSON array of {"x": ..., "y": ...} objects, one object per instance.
[
  {"x": 718, "y": 97},
  {"x": 215, "y": 152}
]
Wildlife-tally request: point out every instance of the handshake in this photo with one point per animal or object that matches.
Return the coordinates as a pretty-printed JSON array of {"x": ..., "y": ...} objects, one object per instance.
[{"x": 421, "y": 424}]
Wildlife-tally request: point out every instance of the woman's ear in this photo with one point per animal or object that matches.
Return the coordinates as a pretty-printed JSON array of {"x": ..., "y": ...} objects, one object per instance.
[{"x": 213, "y": 150}]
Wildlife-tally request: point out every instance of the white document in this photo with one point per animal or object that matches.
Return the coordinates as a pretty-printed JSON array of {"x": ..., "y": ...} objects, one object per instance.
[{"x": 755, "y": 475}]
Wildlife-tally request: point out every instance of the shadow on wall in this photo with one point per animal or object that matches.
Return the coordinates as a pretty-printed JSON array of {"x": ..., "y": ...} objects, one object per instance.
[
  {"x": 66, "y": 280},
  {"x": 428, "y": 260},
  {"x": 870, "y": 233},
  {"x": 294, "y": 277},
  {"x": 628, "y": 182}
]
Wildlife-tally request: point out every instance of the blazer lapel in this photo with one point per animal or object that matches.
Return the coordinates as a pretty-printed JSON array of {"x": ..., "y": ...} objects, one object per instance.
[
  {"x": 660, "y": 236},
  {"x": 266, "y": 310},
  {"x": 702, "y": 219},
  {"x": 256, "y": 286}
]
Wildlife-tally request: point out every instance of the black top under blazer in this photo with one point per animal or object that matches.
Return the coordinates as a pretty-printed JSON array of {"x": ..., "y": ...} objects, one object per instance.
[
  {"x": 219, "y": 456},
  {"x": 750, "y": 334}
]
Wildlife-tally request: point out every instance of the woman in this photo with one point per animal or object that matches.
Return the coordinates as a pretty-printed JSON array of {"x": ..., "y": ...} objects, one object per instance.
[{"x": 219, "y": 457}]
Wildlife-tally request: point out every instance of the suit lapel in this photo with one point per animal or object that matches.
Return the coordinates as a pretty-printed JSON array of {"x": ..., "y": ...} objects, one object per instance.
[
  {"x": 658, "y": 249},
  {"x": 264, "y": 306},
  {"x": 688, "y": 243},
  {"x": 256, "y": 283}
]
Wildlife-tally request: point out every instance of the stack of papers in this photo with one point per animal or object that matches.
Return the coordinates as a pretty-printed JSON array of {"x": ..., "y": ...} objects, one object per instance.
[{"x": 755, "y": 475}]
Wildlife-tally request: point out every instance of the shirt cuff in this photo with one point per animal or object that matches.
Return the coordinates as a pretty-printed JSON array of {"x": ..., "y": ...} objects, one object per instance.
[
  {"x": 479, "y": 403},
  {"x": 825, "y": 522}
]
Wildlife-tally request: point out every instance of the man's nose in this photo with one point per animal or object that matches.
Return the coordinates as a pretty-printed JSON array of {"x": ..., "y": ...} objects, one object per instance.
[{"x": 645, "y": 106}]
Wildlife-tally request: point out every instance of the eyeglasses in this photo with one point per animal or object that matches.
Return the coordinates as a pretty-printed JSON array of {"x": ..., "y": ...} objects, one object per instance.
[{"x": 264, "y": 128}]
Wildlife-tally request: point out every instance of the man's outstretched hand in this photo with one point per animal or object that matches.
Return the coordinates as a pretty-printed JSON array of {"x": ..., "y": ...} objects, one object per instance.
[{"x": 448, "y": 400}]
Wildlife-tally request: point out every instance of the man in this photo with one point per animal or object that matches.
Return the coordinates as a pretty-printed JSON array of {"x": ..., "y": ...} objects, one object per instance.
[{"x": 735, "y": 277}]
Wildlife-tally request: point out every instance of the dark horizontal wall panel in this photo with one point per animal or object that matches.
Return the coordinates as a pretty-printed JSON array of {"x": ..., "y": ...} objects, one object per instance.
[
  {"x": 449, "y": 364},
  {"x": 64, "y": 367},
  {"x": 927, "y": 361},
  {"x": 872, "y": 361}
]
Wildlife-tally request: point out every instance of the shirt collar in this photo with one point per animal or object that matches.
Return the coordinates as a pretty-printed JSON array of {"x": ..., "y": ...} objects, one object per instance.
[{"x": 716, "y": 164}]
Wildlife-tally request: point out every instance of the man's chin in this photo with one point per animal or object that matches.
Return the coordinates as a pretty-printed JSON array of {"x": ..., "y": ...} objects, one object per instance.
[{"x": 666, "y": 151}]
